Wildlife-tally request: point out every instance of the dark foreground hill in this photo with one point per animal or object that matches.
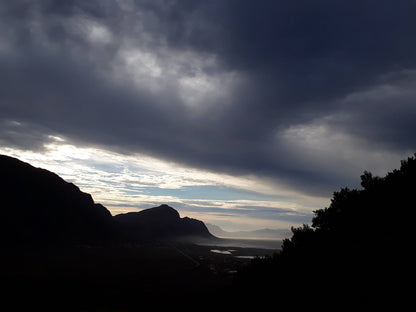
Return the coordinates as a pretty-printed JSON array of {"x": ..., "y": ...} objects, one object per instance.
[
  {"x": 39, "y": 207},
  {"x": 162, "y": 222}
]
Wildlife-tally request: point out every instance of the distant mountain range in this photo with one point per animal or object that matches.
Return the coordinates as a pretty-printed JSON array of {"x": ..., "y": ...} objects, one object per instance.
[
  {"x": 277, "y": 234},
  {"x": 39, "y": 207}
]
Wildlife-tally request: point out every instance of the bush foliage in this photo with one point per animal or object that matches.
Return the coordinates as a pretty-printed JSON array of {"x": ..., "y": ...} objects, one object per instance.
[{"x": 353, "y": 252}]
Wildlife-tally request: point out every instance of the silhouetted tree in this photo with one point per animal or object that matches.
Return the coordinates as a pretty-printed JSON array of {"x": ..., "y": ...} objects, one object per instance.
[{"x": 354, "y": 252}]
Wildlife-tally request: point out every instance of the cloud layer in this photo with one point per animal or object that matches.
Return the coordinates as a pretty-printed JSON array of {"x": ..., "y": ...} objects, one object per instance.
[
  {"x": 305, "y": 94},
  {"x": 130, "y": 183}
]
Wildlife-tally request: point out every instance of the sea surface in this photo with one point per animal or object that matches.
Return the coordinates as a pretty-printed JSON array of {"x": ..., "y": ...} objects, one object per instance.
[{"x": 247, "y": 243}]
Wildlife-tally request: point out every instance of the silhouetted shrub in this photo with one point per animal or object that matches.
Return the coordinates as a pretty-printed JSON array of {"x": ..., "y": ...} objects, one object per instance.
[{"x": 354, "y": 251}]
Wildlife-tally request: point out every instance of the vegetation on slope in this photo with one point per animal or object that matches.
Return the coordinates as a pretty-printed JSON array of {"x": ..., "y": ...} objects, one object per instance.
[{"x": 353, "y": 253}]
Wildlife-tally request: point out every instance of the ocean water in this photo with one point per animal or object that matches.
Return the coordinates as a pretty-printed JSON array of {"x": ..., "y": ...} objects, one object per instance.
[{"x": 247, "y": 243}]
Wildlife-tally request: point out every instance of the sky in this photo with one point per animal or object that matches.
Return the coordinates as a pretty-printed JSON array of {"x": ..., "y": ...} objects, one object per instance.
[{"x": 244, "y": 114}]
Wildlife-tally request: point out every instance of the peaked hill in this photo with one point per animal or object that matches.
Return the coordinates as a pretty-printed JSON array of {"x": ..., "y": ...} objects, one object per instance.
[
  {"x": 162, "y": 222},
  {"x": 38, "y": 207}
]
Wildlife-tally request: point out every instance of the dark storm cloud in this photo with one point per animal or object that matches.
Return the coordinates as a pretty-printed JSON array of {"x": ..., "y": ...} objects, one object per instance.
[
  {"x": 297, "y": 62},
  {"x": 305, "y": 56},
  {"x": 23, "y": 136}
]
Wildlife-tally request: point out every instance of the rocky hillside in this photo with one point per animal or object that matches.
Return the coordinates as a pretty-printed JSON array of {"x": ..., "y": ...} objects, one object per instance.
[
  {"x": 39, "y": 207},
  {"x": 161, "y": 222}
]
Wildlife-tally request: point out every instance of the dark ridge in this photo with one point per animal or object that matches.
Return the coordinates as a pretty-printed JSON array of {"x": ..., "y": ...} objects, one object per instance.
[
  {"x": 162, "y": 222},
  {"x": 39, "y": 207}
]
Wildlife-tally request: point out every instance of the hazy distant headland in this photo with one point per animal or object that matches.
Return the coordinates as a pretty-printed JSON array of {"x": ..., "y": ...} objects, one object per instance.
[{"x": 265, "y": 234}]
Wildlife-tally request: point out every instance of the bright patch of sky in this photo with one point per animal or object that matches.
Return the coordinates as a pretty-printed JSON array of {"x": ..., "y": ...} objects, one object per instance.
[{"x": 126, "y": 183}]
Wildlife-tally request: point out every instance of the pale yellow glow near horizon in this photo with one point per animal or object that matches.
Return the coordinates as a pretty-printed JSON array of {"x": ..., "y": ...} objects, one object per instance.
[{"x": 117, "y": 181}]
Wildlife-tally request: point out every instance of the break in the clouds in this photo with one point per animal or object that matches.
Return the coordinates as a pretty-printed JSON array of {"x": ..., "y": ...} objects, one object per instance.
[
  {"x": 302, "y": 94},
  {"x": 133, "y": 182}
]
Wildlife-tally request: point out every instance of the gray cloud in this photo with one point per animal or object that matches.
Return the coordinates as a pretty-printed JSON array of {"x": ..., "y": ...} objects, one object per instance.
[
  {"x": 123, "y": 74},
  {"x": 23, "y": 136}
]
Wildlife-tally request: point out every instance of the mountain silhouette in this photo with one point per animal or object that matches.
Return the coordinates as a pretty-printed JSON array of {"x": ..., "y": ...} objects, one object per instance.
[
  {"x": 39, "y": 207},
  {"x": 276, "y": 234},
  {"x": 162, "y": 222}
]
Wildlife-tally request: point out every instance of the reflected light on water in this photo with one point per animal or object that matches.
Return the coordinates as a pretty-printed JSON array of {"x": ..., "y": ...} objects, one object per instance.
[{"x": 223, "y": 252}]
